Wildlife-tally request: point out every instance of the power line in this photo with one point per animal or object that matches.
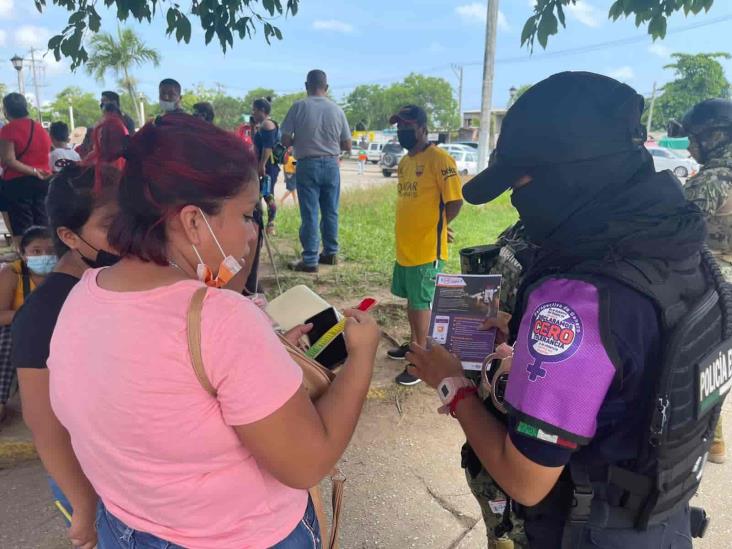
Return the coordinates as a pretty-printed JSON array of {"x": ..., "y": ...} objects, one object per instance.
[{"x": 600, "y": 45}]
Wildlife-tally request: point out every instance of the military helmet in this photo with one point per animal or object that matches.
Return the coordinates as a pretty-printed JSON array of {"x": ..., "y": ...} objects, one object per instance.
[{"x": 707, "y": 115}]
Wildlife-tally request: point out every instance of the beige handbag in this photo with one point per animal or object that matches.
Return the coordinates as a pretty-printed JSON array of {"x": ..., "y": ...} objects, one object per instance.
[{"x": 316, "y": 379}]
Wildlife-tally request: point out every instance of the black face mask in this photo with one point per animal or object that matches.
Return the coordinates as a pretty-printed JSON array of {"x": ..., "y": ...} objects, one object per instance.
[
  {"x": 103, "y": 259},
  {"x": 407, "y": 138},
  {"x": 543, "y": 207}
]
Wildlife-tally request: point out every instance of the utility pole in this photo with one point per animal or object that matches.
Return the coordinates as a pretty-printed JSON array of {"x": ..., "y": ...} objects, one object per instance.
[
  {"x": 458, "y": 70},
  {"x": 650, "y": 110},
  {"x": 489, "y": 60},
  {"x": 35, "y": 84},
  {"x": 71, "y": 116}
]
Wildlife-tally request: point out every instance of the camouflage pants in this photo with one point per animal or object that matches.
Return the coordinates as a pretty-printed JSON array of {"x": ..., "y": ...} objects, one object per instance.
[
  {"x": 726, "y": 268},
  {"x": 492, "y": 503}
]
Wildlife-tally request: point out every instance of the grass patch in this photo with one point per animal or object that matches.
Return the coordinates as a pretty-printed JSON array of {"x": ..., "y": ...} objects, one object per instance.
[{"x": 367, "y": 241}]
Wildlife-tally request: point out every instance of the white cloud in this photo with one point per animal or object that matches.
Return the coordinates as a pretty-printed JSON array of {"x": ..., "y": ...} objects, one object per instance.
[
  {"x": 622, "y": 73},
  {"x": 6, "y": 9},
  {"x": 472, "y": 13},
  {"x": 30, "y": 36},
  {"x": 333, "y": 25},
  {"x": 503, "y": 22},
  {"x": 477, "y": 13},
  {"x": 585, "y": 13},
  {"x": 660, "y": 50},
  {"x": 436, "y": 47},
  {"x": 53, "y": 66}
]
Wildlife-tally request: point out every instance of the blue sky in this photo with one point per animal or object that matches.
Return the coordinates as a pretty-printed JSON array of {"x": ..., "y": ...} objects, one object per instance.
[{"x": 380, "y": 41}]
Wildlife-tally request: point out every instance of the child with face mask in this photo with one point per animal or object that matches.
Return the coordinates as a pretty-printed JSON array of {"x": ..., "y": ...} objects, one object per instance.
[
  {"x": 17, "y": 280},
  {"x": 80, "y": 213}
]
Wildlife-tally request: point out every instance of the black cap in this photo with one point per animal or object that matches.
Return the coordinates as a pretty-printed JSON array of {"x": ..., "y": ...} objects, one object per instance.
[
  {"x": 412, "y": 114},
  {"x": 569, "y": 117}
]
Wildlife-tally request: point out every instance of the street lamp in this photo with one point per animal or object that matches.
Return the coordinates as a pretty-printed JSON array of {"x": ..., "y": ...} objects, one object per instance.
[{"x": 17, "y": 62}]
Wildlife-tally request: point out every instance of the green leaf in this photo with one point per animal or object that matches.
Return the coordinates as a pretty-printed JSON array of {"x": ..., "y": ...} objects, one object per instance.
[
  {"x": 171, "y": 18},
  {"x": 616, "y": 10},
  {"x": 528, "y": 30},
  {"x": 547, "y": 26},
  {"x": 560, "y": 14},
  {"x": 657, "y": 27}
]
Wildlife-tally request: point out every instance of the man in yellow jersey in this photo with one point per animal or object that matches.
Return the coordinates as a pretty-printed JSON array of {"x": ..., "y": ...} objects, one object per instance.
[{"x": 430, "y": 197}]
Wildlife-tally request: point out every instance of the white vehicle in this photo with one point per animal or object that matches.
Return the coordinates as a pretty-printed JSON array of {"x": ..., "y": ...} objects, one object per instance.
[
  {"x": 456, "y": 147},
  {"x": 467, "y": 161},
  {"x": 374, "y": 152},
  {"x": 668, "y": 159}
]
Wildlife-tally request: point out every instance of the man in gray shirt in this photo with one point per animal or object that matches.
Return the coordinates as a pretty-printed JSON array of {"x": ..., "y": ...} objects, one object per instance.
[{"x": 318, "y": 129}]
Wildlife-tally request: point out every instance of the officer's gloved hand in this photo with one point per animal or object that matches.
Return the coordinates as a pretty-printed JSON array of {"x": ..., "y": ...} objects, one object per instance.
[{"x": 500, "y": 323}]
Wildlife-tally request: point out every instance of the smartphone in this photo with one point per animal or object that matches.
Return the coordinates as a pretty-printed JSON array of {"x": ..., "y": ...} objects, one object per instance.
[{"x": 335, "y": 353}]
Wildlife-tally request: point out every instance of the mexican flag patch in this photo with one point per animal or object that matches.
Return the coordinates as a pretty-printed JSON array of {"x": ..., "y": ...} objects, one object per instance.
[{"x": 536, "y": 432}]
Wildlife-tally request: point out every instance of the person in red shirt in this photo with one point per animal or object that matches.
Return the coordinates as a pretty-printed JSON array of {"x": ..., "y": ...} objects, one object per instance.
[{"x": 25, "y": 149}]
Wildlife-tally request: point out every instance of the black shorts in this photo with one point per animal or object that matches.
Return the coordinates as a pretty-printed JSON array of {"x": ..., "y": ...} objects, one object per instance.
[{"x": 25, "y": 202}]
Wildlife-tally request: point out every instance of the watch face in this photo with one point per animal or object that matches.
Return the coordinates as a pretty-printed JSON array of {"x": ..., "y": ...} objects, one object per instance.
[{"x": 445, "y": 391}]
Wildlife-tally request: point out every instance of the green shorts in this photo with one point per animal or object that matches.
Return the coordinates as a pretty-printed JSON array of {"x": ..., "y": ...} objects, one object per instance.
[{"x": 417, "y": 284}]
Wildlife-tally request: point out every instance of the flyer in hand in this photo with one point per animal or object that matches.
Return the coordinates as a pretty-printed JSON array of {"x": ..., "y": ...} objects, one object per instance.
[{"x": 462, "y": 302}]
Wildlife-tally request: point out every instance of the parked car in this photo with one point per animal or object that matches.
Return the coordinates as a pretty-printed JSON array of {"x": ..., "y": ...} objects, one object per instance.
[
  {"x": 455, "y": 147},
  {"x": 668, "y": 159},
  {"x": 374, "y": 152},
  {"x": 473, "y": 144},
  {"x": 467, "y": 162},
  {"x": 391, "y": 154}
]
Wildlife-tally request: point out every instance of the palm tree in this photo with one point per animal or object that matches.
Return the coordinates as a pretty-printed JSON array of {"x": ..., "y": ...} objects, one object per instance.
[{"x": 119, "y": 55}]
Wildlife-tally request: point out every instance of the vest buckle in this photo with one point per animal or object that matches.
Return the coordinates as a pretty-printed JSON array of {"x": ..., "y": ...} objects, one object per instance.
[{"x": 579, "y": 512}]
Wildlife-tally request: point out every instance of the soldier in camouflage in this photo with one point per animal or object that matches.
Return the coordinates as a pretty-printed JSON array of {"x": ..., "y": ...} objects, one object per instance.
[
  {"x": 510, "y": 256},
  {"x": 708, "y": 125}
]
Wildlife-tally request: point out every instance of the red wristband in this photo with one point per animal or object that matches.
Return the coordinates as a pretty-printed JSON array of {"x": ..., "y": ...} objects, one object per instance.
[{"x": 461, "y": 394}]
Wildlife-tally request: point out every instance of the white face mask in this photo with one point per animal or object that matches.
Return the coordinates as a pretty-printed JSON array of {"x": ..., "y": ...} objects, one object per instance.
[{"x": 167, "y": 106}]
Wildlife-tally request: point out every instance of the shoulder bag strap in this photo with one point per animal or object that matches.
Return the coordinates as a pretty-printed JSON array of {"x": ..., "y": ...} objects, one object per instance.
[
  {"x": 194, "y": 339},
  {"x": 194, "y": 348},
  {"x": 25, "y": 279},
  {"x": 30, "y": 140}
]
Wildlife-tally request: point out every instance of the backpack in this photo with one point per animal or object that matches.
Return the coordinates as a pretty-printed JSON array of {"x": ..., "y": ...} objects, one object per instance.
[{"x": 279, "y": 151}]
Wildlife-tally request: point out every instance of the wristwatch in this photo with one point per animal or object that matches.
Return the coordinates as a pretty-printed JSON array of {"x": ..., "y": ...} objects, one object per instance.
[{"x": 449, "y": 387}]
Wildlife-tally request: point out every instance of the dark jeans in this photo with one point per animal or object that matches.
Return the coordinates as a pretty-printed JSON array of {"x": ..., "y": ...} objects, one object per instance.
[
  {"x": 114, "y": 534},
  {"x": 25, "y": 199},
  {"x": 319, "y": 189}
]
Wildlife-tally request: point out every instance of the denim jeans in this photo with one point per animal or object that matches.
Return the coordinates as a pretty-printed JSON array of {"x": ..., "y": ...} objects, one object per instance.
[
  {"x": 318, "y": 188},
  {"x": 112, "y": 533},
  {"x": 60, "y": 499}
]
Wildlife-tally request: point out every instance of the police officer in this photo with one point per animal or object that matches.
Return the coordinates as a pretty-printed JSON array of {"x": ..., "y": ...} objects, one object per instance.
[
  {"x": 621, "y": 334},
  {"x": 708, "y": 125},
  {"x": 510, "y": 257}
]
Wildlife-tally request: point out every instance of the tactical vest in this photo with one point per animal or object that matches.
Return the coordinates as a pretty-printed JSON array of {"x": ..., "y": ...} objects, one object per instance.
[{"x": 695, "y": 310}]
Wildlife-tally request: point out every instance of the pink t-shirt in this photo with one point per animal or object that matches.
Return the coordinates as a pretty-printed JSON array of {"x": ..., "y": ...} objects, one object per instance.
[{"x": 158, "y": 449}]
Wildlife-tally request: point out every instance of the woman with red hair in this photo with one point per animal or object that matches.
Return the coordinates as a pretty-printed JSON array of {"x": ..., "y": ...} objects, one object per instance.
[{"x": 170, "y": 462}]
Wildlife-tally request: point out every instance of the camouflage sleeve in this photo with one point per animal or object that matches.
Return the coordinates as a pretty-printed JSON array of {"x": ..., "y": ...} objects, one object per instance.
[{"x": 709, "y": 190}]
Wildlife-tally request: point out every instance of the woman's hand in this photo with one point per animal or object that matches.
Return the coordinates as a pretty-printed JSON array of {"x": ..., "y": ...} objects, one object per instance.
[
  {"x": 501, "y": 325},
  {"x": 44, "y": 174},
  {"x": 434, "y": 364},
  {"x": 82, "y": 532},
  {"x": 361, "y": 333},
  {"x": 295, "y": 334}
]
